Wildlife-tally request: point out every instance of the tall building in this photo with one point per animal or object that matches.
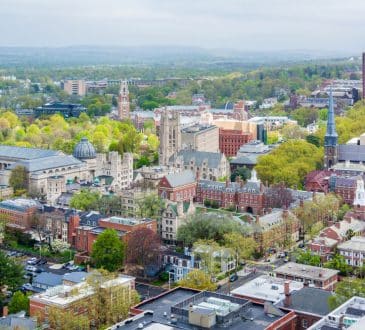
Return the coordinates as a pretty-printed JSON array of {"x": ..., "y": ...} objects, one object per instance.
[
  {"x": 123, "y": 101},
  {"x": 331, "y": 137},
  {"x": 75, "y": 87},
  {"x": 363, "y": 76},
  {"x": 170, "y": 136}
]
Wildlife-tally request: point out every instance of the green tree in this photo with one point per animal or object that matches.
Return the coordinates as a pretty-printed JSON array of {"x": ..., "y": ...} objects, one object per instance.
[
  {"x": 242, "y": 247},
  {"x": 85, "y": 200},
  {"x": 346, "y": 289},
  {"x": 197, "y": 279},
  {"x": 19, "y": 302},
  {"x": 108, "y": 251},
  {"x": 314, "y": 140},
  {"x": 11, "y": 273},
  {"x": 242, "y": 172},
  {"x": 150, "y": 206},
  {"x": 307, "y": 258},
  {"x": 339, "y": 262},
  {"x": 19, "y": 178}
]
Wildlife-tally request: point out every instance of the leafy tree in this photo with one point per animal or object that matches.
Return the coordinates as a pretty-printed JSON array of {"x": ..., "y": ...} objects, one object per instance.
[
  {"x": 19, "y": 178},
  {"x": 289, "y": 163},
  {"x": 18, "y": 302},
  {"x": 11, "y": 273},
  {"x": 197, "y": 279},
  {"x": 108, "y": 251},
  {"x": 205, "y": 250},
  {"x": 243, "y": 172},
  {"x": 314, "y": 140},
  {"x": 339, "y": 262},
  {"x": 110, "y": 205},
  {"x": 85, "y": 200},
  {"x": 209, "y": 226},
  {"x": 150, "y": 206},
  {"x": 242, "y": 247},
  {"x": 346, "y": 289},
  {"x": 307, "y": 258},
  {"x": 143, "y": 248}
]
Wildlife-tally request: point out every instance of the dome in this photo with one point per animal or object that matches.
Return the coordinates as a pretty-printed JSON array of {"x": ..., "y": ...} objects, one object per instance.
[{"x": 84, "y": 150}]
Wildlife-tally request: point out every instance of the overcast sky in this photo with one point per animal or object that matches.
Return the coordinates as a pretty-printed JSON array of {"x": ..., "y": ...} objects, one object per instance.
[{"x": 331, "y": 25}]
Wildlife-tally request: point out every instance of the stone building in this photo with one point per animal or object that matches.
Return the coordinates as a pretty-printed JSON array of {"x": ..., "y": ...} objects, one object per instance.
[
  {"x": 172, "y": 217},
  {"x": 200, "y": 138},
  {"x": 206, "y": 165}
]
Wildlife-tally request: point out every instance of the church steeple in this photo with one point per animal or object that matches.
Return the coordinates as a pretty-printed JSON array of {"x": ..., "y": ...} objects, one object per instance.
[{"x": 331, "y": 137}]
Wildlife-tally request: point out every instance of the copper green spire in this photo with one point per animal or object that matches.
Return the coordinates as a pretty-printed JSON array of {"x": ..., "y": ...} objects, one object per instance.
[{"x": 331, "y": 136}]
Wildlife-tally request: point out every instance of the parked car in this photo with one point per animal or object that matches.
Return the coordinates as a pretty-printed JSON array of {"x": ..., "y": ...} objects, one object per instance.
[
  {"x": 41, "y": 261},
  {"x": 32, "y": 261},
  {"x": 233, "y": 278},
  {"x": 33, "y": 269},
  {"x": 301, "y": 245},
  {"x": 72, "y": 267},
  {"x": 27, "y": 287}
]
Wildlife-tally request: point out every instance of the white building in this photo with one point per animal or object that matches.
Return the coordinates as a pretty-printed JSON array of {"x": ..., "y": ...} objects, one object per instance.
[{"x": 353, "y": 251}]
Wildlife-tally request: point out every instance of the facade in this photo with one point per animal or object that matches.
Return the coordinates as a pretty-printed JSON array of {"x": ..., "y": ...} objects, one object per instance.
[
  {"x": 67, "y": 110},
  {"x": 318, "y": 277},
  {"x": 200, "y": 138},
  {"x": 75, "y": 87},
  {"x": 353, "y": 251},
  {"x": 230, "y": 141},
  {"x": 206, "y": 165},
  {"x": 75, "y": 297},
  {"x": 123, "y": 101},
  {"x": 173, "y": 216},
  {"x": 363, "y": 76},
  {"x": 170, "y": 136},
  {"x": 178, "y": 187}
]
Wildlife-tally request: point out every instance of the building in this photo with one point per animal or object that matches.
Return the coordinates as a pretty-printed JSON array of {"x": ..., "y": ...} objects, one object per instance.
[
  {"x": 173, "y": 216},
  {"x": 17, "y": 321},
  {"x": 266, "y": 288},
  {"x": 123, "y": 101},
  {"x": 178, "y": 187},
  {"x": 75, "y": 297},
  {"x": 67, "y": 110},
  {"x": 353, "y": 251},
  {"x": 188, "y": 309},
  {"x": 363, "y": 76},
  {"x": 230, "y": 141},
  {"x": 345, "y": 316},
  {"x": 206, "y": 165},
  {"x": 19, "y": 212},
  {"x": 75, "y": 87},
  {"x": 200, "y": 138},
  {"x": 170, "y": 136},
  {"x": 322, "y": 278}
]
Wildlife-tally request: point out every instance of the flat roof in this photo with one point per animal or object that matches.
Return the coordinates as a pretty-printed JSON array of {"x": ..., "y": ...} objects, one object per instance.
[
  {"x": 306, "y": 271},
  {"x": 267, "y": 288}
]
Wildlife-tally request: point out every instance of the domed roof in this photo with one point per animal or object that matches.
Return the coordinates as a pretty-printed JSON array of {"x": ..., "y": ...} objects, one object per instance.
[{"x": 84, "y": 150}]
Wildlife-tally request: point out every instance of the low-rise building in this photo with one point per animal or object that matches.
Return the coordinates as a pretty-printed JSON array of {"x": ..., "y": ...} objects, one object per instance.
[
  {"x": 319, "y": 277},
  {"x": 178, "y": 187},
  {"x": 353, "y": 251}
]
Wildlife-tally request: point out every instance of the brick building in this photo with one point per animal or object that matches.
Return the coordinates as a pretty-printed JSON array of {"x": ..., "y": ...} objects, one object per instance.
[
  {"x": 322, "y": 278},
  {"x": 19, "y": 212},
  {"x": 353, "y": 251},
  {"x": 178, "y": 187},
  {"x": 230, "y": 141}
]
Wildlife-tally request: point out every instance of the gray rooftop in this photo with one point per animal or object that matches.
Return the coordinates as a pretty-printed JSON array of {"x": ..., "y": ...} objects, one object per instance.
[
  {"x": 213, "y": 159},
  {"x": 352, "y": 152},
  {"x": 181, "y": 179},
  {"x": 22, "y": 153},
  {"x": 306, "y": 271},
  {"x": 75, "y": 277}
]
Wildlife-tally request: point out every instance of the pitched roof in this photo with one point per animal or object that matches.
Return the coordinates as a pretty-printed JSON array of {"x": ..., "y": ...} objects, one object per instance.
[
  {"x": 213, "y": 159},
  {"x": 48, "y": 279},
  {"x": 180, "y": 179},
  {"x": 352, "y": 152},
  {"x": 26, "y": 153}
]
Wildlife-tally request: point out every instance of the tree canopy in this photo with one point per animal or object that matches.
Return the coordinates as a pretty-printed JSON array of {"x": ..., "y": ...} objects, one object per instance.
[
  {"x": 85, "y": 200},
  {"x": 290, "y": 163},
  {"x": 108, "y": 251},
  {"x": 18, "y": 302},
  {"x": 197, "y": 279},
  {"x": 11, "y": 273},
  {"x": 346, "y": 289}
]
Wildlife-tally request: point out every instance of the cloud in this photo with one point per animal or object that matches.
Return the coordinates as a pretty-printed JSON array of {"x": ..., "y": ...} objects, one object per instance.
[{"x": 239, "y": 24}]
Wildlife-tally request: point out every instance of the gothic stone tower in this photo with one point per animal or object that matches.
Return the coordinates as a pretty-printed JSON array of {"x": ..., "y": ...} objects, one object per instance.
[
  {"x": 331, "y": 137},
  {"x": 170, "y": 136},
  {"x": 123, "y": 101}
]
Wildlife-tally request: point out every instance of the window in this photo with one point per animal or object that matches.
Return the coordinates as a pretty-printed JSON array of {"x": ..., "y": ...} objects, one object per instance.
[{"x": 304, "y": 323}]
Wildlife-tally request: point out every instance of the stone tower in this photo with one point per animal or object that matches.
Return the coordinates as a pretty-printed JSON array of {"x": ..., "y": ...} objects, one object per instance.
[
  {"x": 359, "y": 200},
  {"x": 170, "y": 136},
  {"x": 331, "y": 137},
  {"x": 123, "y": 101}
]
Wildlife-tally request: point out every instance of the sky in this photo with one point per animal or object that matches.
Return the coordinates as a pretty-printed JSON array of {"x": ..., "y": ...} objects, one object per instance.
[{"x": 257, "y": 25}]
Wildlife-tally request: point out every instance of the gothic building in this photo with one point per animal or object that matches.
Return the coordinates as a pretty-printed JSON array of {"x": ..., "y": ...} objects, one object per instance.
[
  {"x": 123, "y": 101},
  {"x": 170, "y": 136}
]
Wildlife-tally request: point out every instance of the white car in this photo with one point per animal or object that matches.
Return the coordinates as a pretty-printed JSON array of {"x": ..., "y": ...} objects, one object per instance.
[
  {"x": 30, "y": 268},
  {"x": 32, "y": 261}
]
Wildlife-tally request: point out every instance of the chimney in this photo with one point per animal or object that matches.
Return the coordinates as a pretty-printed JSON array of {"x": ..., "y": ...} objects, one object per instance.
[
  {"x": 338, "y": 224},
  {"x": 348, "y": 219},
  {"x": 5, "y": 311},
  {"x": 287, "y": 299}
]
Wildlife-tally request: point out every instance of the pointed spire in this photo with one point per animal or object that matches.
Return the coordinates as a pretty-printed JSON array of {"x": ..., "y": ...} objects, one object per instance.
[{"x": 331, "y": 134}]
